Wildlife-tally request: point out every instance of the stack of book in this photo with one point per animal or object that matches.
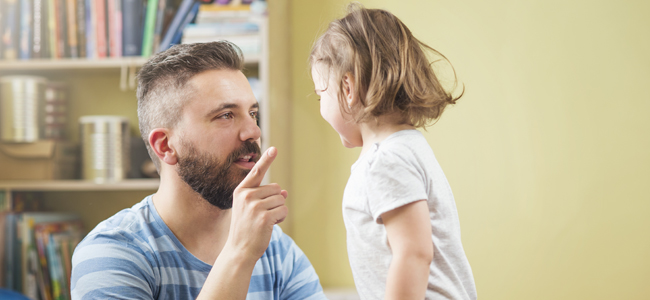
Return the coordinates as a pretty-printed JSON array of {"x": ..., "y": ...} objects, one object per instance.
[
  {"x": 235, "y": 23},
  {"x": 36, "y": 252},
  {"x": 89, "y": 28}
]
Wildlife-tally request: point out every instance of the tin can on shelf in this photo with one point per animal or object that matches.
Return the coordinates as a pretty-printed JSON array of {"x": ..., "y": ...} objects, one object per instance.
[
  {"x": 105, "y": 148},
  {"x": 21, "y": 108}
]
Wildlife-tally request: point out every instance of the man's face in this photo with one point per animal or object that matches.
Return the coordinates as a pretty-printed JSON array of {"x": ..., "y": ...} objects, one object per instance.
[{"x": 218, "y": 136}]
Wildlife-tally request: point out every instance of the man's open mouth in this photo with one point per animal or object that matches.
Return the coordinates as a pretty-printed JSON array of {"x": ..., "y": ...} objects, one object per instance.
[{"x": 251, "y": 157}]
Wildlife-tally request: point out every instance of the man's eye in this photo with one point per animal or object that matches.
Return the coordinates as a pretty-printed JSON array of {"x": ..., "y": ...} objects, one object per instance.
[
  {"x": 254, "y": 115},
  {"x": 225, "y": 116},
  {"x": 318, "y": 99}
]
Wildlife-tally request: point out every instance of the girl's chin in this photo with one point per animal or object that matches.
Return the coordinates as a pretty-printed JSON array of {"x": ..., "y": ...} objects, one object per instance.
[{"x": 347, "y": 144}]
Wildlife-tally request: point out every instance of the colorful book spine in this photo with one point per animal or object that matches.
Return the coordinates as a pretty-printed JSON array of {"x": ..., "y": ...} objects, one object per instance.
[
  {"x": 2, "y": 23},
  {"x": 71, "y": 14},
  {"x": 100, "y": 15},
  {"x": 10, "y": 29},
  {"x": 61, "y": 35},
  {"x": 132, "y": 20},
  {"x": 91, "y": 25},
  {"x": 160, "y": 18},
  {"x": 25, "y": 42},
  {"x": 37, "y": 37},
  {"x": 81, "y": 27},
  {"x": 51, "y": 29},
  {"x": 149, "y": 27},
  {"x": 181, "y": 18},
  {"x": 115, "y": 25}
]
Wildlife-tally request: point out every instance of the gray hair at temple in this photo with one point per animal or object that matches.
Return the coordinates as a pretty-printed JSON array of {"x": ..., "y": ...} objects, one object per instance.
[{"x": 162, "y": 82}]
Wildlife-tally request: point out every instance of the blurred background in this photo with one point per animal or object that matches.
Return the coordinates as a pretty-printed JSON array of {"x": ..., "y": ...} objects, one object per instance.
[{"x": 547, "y": 153}]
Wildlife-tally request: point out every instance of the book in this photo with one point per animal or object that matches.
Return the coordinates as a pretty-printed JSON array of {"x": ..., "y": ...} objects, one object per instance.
[
  {"x": 160, "y": 18},
  {"x": 25, "y": 230},
  {"x": 61, "y": 36},
  {"x": 185, "y": 13},
  {"x": 91, "y": 29},
  {"x": 55, "y": 242},
  {"x": 11, "y": 267},
  {"x": 71, "y": 16},
  {"x": 38, "y": 36},
  {"x": 52, "y": 32},
  {"x": 133, "y": 27},
  {"x": 81, "y": 27},
  {"x": 149, "y": 27},
  {"x": 2, "y": 9},
  {"x": 115, "y": 25},
  {"x": 10, "y": 29},
  {"x": 3, "y": 222},
  {"x": 25, "y": 37},
  {"x": 100, "y": 27}
]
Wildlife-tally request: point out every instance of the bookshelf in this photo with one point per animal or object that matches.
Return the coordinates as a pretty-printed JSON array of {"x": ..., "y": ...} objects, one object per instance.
[{"x": 94, "y": 90}]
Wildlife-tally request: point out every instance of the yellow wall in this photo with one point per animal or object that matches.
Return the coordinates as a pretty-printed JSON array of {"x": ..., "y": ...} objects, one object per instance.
[{"x": 548, "y": 152}]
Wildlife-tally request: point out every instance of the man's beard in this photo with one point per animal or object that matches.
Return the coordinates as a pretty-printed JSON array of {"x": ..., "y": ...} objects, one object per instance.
[{"x": 214, "y": 180}]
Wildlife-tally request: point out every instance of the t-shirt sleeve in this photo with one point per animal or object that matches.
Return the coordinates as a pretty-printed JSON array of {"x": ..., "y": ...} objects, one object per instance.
[
  {"x": 393, "y": 180},
  {"x": 299, "y": 279},
  {"x": 104, "y": 267}
]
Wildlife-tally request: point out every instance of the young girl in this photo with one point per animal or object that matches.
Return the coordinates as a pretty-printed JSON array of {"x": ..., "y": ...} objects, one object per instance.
[{"x": 376, "y": 86}]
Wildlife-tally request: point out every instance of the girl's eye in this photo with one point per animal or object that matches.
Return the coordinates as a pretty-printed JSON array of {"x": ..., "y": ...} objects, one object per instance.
[
  {"x": 253, "y": 115},
  {"x": 318, "y": 99}
]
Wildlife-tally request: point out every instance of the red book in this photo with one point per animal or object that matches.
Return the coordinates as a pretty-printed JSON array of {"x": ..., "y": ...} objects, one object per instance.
[
  {"x": 115, "y": 30},
  {"x": 100, "y": 9}
]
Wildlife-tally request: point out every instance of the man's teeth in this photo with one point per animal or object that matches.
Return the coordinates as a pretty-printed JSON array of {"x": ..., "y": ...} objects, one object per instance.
[{"x": 246, "y": 158}]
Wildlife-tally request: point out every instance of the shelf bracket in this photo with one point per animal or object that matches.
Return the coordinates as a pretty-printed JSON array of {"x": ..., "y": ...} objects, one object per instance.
[
  {"x": 123, "y": 77},
  {"x": 132, "y": 77}
]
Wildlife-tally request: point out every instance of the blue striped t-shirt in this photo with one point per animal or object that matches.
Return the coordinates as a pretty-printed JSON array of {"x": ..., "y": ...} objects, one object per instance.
[{"x": 134, "y": 255}]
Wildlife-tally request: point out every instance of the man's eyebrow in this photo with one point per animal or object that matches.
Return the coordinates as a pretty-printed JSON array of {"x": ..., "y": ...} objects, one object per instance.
[{"x": 227, "y": 106}]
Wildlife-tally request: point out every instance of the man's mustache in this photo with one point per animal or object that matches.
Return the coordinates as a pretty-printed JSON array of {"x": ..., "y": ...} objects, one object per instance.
[{"x": 246, "y": 148}]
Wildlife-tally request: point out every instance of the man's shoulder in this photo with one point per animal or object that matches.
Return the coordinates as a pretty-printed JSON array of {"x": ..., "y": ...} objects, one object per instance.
[{"x": 130, "y": 227}]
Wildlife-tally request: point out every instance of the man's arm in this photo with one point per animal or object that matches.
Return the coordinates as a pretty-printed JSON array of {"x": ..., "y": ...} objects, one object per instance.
[
  {"x": 254, "y": 213},
  {"x": 106, "y": 268},
  {"x": 409, "y": 235}
]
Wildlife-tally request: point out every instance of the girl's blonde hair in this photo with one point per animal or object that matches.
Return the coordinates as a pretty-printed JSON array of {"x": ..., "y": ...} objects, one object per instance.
[{"x": 391, "y": 71}]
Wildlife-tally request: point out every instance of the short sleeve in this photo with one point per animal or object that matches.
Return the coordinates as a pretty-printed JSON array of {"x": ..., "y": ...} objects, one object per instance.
[
  {"x": 108, "y": 268},
  {"x": 394, "y": 179},
  {"x": 299, "y": 278}
]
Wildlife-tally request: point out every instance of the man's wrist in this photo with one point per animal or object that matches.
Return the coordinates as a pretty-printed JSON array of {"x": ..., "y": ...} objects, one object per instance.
[{"x": 236, "y": 258}]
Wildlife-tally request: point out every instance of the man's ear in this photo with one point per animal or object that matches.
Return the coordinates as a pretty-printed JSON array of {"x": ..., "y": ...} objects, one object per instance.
[
  {"x": 349, "y": 87},
  {"x": 159, "y": 141}
]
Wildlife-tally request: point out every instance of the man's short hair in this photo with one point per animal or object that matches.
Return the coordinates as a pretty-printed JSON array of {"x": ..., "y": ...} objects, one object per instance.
[{"x": 162, "y": 90}]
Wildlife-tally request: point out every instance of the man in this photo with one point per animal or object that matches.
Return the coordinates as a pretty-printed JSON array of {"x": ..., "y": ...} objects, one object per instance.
[{"x": 210, "y": 231}]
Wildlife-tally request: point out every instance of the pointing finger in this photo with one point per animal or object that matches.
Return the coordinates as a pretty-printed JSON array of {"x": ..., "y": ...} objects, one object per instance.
[{"x": 255, "y": 176}]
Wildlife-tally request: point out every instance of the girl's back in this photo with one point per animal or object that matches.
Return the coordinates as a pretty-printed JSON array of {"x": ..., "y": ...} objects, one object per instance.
[{"x": 400, "y": 170}]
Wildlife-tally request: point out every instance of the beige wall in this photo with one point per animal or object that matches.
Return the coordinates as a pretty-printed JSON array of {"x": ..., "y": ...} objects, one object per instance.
[{"x": 548, "y": 152}]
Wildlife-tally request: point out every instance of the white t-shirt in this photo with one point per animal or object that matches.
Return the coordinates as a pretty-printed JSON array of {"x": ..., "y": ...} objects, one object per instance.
[{"x": 401, "y": 170}]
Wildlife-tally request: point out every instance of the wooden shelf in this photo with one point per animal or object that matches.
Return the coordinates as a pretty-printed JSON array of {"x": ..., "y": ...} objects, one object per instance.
[
  {"x": 80, "y": 185},
  {"x": 84, "y": 64},
  {"x": 70, "y": 63}
]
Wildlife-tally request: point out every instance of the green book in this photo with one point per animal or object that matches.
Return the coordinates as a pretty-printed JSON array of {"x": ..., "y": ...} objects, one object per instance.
[{"x": 149, "y": 27}]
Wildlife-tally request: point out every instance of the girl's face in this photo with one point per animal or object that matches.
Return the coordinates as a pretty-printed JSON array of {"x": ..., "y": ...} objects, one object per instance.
[{"x": 342, "y": 122}]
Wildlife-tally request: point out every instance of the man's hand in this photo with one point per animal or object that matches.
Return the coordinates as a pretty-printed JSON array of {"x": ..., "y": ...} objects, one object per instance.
[{"x": 256, "y": 209}]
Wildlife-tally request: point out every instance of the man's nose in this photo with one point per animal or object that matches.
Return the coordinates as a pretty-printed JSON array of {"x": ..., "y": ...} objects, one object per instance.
[{"x": 250, "y": 130}]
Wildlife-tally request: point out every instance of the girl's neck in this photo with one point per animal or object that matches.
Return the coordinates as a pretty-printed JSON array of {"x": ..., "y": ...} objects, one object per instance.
[{"x": 373, "y": 132}]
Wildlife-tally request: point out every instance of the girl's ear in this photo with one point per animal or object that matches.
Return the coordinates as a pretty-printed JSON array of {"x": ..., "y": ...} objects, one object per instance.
[
  {"x": 160, "y": 144},
  {"x": 349, "y": 87}
]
